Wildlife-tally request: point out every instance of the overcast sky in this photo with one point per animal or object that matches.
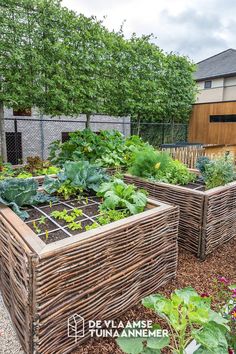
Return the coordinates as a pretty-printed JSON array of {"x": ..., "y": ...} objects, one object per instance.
[{"x": 196, "y": 28}]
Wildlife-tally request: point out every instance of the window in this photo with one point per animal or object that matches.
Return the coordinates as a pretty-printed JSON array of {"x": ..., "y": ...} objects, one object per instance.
[
  {"x": 22, "y": 112},
  {"x": 64, "y": 136},
  {"x": 224, "y": 118},
  {"x": 207, "y": 84},
  {"x": 14, "y": 147}
]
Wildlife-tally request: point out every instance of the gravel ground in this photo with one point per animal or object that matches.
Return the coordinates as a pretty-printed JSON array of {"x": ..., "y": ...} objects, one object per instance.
[{"x": 191, "y": 272}]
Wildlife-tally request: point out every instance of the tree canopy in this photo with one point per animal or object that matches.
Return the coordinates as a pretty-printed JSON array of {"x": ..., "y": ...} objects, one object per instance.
[{"x": 65, "y": 63}]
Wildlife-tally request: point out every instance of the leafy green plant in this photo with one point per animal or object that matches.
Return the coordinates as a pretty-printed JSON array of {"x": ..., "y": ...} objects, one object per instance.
[
  {"x": 36, "y": 228},
  {"x": 109, "y": 148},
  {"x": 66, "y": 215},
  {"x": 42, "y": 220},
  {"x": 109, "y": 216},
  {"x": 225, "y": 297},
  {"x": 75, "y": 178},
  {"x": 201, "y": 163},
  {"x": 75, "y": 226},
  {"x": 159, "y": 166},
  {"x": 16, "y": 193},
  {"x": 24, "y": 175},
  {"x": 219, "y": 172},
  {"x": 189, "y": 316},
  {"x": 93, "y": 226},
  {"x": 118, "y": 195}
]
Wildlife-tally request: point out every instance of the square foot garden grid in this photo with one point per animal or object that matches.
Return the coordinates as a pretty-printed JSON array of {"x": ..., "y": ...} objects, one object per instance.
[
  {"x": 207, "y": 218},
  {"x": 97, "y": 274}
]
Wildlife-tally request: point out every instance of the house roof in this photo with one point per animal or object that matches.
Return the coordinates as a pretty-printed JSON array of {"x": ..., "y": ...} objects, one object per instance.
[{"x": 219, "y": 65}]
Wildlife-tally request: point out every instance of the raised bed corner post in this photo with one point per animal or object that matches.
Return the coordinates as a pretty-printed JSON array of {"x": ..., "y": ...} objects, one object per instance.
[
  {"x": 2, "y": 134},
  {"x": 202, "y": 239}
]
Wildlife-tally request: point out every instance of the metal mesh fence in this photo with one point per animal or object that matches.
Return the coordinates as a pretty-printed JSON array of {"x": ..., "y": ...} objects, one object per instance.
[{"x": 32, "y": 137}]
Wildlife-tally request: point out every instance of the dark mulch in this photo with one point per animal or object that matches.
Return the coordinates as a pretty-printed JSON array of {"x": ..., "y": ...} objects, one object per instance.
[{"x": 191, "y": 272}]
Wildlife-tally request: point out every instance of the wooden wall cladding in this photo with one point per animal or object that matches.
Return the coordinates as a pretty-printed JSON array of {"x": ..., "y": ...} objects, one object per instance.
[{"x": 202, "y": 131}]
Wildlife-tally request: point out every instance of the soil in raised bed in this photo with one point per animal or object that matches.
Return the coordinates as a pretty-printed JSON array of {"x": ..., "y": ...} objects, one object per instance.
[
  {"x": 191, "y": 272},
  {"x": 52, "y": 229}
]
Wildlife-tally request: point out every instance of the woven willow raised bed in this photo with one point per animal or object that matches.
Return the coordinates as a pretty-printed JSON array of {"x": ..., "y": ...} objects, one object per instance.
[
  {"x": 207, "y": 219},
  {"x": 97, "y": 274}
]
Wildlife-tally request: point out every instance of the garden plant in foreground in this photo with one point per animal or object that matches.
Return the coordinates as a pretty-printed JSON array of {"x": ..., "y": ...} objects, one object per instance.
[{"x": 189, "y": 316}]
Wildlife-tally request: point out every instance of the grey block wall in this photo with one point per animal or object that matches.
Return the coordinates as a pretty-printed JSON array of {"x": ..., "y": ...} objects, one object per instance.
[{"x": 38, "y": 135}]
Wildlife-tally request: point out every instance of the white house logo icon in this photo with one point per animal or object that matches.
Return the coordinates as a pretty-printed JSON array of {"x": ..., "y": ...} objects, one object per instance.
[{"x": 75, "y": 327}]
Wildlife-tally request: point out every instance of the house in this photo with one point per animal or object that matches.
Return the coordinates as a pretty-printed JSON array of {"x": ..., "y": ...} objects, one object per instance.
[
  {"x": 213, "y": 119},
  {"x": 216, "y": 77}
]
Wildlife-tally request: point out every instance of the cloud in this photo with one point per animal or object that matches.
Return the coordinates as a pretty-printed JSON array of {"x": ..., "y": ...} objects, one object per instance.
[{"x": 197, "y": 28}]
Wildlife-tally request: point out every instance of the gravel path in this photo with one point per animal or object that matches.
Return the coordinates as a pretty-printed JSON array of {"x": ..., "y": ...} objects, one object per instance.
[
  {"x": 191, "y": 272},
  {"x": 9, "y": 343}
]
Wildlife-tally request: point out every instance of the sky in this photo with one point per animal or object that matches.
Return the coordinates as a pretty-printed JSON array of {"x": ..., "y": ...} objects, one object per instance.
[{"x": 195, "y": 28}]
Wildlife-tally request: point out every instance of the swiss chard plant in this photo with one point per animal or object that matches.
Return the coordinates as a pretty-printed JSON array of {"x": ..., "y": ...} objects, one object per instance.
[
  {"x": 75, "y": 177},
  {"x": 17, "y": 193},
  {"x": 189, "y": 317},
  {"x": 117, "y": 194}
]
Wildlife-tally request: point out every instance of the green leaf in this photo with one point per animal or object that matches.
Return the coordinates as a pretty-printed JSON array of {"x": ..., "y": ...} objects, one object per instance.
[
  {"x": 211, "y": 336},
  {"x": 130, "y": 345}
]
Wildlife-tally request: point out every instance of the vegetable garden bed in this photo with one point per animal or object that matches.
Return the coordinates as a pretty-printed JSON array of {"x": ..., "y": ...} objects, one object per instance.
[
  {"x": 97, "y": 274},
  {"x": 207, "y": 218}
]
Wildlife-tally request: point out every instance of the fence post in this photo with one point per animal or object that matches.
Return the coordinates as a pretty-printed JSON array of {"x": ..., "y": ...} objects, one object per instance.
[
  {"x": 17, "y": 145},
  {"x": 163, "y": 133},
  {"x": 42, "y": 136}
]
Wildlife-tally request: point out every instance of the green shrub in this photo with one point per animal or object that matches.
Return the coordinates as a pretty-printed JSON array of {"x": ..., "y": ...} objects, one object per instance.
[
  {"x": 109, "y": 148},
  {"x": 148, "y": 163},
  {"x": 159, "y": 166},
  {"x": 219, "y": 172}
]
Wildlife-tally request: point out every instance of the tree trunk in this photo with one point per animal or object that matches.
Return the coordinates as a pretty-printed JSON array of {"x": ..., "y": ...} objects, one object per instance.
[
  {"x": 88, "y": 121},
  {"x": 2, "y": 134},
  {"x": 138, "y": 124}
]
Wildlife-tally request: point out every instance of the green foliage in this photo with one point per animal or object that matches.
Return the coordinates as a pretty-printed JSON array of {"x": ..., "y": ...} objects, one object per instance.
[
  {"x": 75, "y": 226},
  {"x": 139, "y": 345},
  {"x": 190, "y": 317},
  {"x": 148, "y": 162},
  {"x": 109, "y": 148},
  {"x": 201, "y": 163},
  {"x": 118, "y": 195},
  {"x": 93, "y": 226},
  {"x": 219, "y": 172},
  {"x": 68, "y": 217},
  {"x": 24, "y": 175},
  {"x": 20, "y": 192},
  {"x": 109, "y": 216},
  {"x": 75, "y": 178},
  {"x": 159, "y": 166}
]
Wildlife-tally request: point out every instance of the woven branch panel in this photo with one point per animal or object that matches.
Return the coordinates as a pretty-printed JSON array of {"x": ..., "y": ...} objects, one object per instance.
[
  {"x": 219, "y": 225},
  {"x": 98, "y": 276},
  {"x": 16, "y": 281},
  {"x": 207, "y": 219}
]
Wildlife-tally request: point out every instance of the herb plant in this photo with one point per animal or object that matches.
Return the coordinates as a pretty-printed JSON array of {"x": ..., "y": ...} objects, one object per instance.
[{"x": 219, "y": 172}]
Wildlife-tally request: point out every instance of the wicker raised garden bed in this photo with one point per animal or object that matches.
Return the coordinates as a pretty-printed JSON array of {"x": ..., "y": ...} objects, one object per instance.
[
  {"x": 97, "y": 274},
  {"x": 207, "y": 218}
]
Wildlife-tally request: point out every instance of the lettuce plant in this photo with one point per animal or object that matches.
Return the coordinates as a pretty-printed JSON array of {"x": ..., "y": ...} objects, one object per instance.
[{"x": 117, "y": 194}]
